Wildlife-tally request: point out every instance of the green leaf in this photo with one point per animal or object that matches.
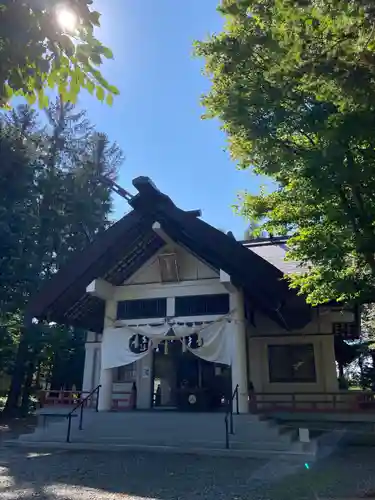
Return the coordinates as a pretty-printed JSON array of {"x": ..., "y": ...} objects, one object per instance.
[
  {"x": 95, "y": 18},
  {"x": 107, "y": 52},
  {"x": 67, "y": 45},
  {"x": 96, "y": 59},
  {"x": 114, "y": 90},
  {"x": 83, "y": 58},
  {"x": 109, "y": 99},
  {"x": 52, "y": 79},
  {"x": 8, "y": 91},
  {"x": 31, "y": 99},
  {"x": 43, "y": 101},
  {"x": 90, "y": 86},
  {"x": 100, "y": 93}
]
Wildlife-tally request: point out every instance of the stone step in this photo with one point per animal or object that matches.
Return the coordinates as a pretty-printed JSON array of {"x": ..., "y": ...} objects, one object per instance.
[
  {"x": 160, "y": 421},
  {"x": 200, "y": 426},
  {"x": 195, "y": 443},
  {"x": 173, "y": 430},
  {"x": 187, "y": 434},
  {"x": 290, "y": 455},
  {"x": 171, "y": 416}
]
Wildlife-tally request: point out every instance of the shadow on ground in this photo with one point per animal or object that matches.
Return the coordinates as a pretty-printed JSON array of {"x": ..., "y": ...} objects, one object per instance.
[
  {"x": 113, "y": 476},
  {"x": 11, "y": 428}
]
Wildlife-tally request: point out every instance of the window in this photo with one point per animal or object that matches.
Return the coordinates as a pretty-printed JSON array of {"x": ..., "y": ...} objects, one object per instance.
[
  {"x": 125, "y": 373},
  {"x": 139, "y": 309},
  {"x": 201, "y": 305},
  {"x": 348, "y": 331},
  {"x": 168, "y": 268},
  {"x": 291, "y": 363}
]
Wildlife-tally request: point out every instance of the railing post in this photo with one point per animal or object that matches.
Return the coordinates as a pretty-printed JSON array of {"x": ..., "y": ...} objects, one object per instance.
[
  {"x": 226, "y": 434},
  {"x": 231, "y": 418},
  {"x": 69, "y": 427},
  {"x": 97, "y": 400},
  {"x": 81, "y": 418},
  {"x": 237, "y": 402}
]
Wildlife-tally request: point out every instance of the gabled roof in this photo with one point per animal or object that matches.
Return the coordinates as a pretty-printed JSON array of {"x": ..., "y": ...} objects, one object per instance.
[
  {"x": 274, "y": 250},
  {"x": 118, "y": 252}
]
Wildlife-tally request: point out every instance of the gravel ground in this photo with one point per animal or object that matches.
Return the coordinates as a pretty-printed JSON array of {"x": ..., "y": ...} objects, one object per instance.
[
  {"x": 114, "y": 476},
  {"x": 11, "y": 428}
]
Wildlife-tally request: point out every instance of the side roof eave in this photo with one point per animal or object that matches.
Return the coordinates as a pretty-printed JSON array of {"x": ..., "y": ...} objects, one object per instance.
[{"x": 79, "y": 264}]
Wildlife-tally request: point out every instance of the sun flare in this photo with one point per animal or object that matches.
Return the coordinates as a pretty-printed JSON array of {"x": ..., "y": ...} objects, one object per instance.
[{"x": 67, "y": 19}]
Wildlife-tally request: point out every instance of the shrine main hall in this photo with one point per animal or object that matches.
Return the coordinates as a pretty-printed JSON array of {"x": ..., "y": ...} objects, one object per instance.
[{"x": 179, "y": 314}]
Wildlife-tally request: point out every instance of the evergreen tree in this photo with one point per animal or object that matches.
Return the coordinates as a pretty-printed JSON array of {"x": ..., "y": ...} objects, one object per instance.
[{"x": 52, "y": 204}]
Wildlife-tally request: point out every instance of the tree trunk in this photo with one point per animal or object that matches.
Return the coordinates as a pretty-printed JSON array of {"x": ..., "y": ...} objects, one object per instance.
[
  {"x": 341, "y": 371},
  {"x": 37, "y": 379},
  {"x": 18, "y": 376},
  {"x": 27, "y": 386},
  {"x": 360, "y": 366}
]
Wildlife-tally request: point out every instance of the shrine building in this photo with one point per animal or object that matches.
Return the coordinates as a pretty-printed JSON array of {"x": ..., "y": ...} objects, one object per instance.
[{"x": 179, "y": 314}]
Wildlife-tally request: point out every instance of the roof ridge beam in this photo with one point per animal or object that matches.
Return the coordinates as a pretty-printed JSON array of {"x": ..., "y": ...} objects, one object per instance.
[
  {"x": 226, "y": 280},
  {"x": 101, "y": 288},
  {"x": 158, "y": 229}
]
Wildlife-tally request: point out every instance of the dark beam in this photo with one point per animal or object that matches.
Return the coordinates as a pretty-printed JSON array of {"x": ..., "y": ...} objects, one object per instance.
[{"x": 195, "y": 213}]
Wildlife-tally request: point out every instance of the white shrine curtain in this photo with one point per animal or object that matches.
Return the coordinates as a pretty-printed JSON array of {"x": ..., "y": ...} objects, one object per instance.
[{"x": 126, "y": 344}]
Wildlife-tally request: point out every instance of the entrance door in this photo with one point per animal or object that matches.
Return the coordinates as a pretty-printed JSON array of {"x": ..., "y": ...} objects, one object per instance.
[
  {"x": 186, "y": 382},
  {"x": 165, "y": 382}
]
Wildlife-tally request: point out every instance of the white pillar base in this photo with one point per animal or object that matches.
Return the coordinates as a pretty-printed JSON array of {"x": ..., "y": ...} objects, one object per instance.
[
  {"x": 239, "y": 354},
  {"x": 105, "y": 392},
  {"x": 89, "y": 367},
  {"x": 144, "y": 381},
  {"x": 239, "y": 374}
]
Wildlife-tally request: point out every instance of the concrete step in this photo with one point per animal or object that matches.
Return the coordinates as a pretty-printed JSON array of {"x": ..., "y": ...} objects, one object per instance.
[
  {"x": 172, "y": 430},
  {"x": 169, "y": 434},
  {"x": 157, "y": 420},
  {"x": 291, "y": 455},
  {"x": 195, "y": 443},
  {"x": 207, "y": 427}
]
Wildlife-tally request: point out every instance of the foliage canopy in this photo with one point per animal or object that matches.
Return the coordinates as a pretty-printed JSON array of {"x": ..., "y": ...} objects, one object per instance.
[
  {"x": 36, "y": 53},
  {"x": 293, "y": 84}
]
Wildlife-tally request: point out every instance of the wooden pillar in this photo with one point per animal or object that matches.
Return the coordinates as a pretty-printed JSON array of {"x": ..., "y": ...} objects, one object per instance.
[{"x": 239, "y": 351}]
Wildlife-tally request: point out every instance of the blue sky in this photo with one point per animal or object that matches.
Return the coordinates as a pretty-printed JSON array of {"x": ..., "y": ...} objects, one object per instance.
[{"x": 157, "y": 118}]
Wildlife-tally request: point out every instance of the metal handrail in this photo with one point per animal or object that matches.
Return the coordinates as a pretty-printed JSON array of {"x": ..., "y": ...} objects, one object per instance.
[
  {"x": 228, "y": 420},
  {"x": 81, "y": 405}
]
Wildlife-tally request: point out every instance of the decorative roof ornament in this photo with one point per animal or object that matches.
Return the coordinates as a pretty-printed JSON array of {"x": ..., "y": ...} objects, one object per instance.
[{"x": 116, "y": 188}]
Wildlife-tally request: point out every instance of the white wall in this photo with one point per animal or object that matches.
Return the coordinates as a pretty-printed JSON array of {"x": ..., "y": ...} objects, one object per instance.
[
  {"x": 320, "y": 324},
  {"x": 189, "y": 267},
  {"x": 318, "y": 332},
  {"x": 91, "y": 372}
]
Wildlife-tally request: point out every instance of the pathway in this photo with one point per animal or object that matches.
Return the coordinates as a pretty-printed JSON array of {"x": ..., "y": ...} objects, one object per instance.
[{"x": 136, "y": 476}]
